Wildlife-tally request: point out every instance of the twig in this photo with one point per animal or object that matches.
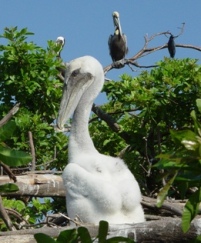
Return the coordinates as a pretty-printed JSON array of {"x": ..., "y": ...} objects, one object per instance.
[
  {"x": 182, "y": 30},
  {"x": 5, "y": 217},
  {"x": 8, "y": 171},
  {"x": 33, "y": 162},
  {"x": 10, "y": 114},
  {"x": 72, "y": 220},
  {"x": 17, "y": 216}
]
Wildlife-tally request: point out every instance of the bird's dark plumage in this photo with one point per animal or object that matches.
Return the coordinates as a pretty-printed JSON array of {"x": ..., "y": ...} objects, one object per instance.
[
  {"x": 118, "y": 41},
  {"x": 171, "y": 46}
]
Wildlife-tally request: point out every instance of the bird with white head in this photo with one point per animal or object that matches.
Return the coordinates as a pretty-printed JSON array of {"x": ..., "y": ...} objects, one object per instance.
[
  {"x": 99, "y": 187},
  {"x": 118, "y": 41}
]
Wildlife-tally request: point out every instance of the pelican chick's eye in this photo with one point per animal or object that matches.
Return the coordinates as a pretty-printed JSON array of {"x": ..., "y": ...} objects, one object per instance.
[{"x": 75, "y": 72}]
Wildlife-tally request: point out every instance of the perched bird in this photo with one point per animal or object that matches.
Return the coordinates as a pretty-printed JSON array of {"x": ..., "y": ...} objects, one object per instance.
[
  {"x": 117, "y": 42},
  {"x": 171, "y": 46},
  {"x": 99, "y": 187},
  {"x": 60, "y": 42}
]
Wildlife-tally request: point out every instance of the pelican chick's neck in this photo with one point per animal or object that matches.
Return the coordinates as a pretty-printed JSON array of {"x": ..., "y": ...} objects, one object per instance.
[{"x": 80, "y": 140}]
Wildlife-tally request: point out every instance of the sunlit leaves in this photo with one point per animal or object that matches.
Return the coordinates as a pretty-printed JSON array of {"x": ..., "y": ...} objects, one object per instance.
[
  {"x": 14, "y": 157},
  {"x": 164, "y": 191},
  {"x": 185, "y": 161},
  {"x": 191, "y": 209},
  {"x": 29, "y": 76}
]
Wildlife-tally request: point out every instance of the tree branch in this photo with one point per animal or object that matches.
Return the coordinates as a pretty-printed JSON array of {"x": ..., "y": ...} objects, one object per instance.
[
  {"x": 10, "y": 114},
  {"x": 8, "y": 171},
  {"x": 5, "y": 216},
  {"x": 33, "y": 163},
  {"x": 166, "y": 230}
]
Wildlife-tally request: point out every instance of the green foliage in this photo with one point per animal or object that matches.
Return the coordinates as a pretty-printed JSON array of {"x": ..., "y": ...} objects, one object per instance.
[
  {"x": 28, "y": 75},
  {"x": 9, "y": 156},
  {"x": 146, "y": 108},
  {"x": 191, "y": 209},
  {"x": 82, "y": 235},
  {"x": 8, "y": 187},
  {"x": 34, "y": 212},
  {"x": 38, "y": 208},
  {"x": 184, "y": 161},
  {"x": 164, "y": 191},
  {"x": 158, "y": 111}
]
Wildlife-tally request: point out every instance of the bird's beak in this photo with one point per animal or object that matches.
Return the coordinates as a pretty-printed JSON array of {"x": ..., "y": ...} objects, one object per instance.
[
  {"x": 71, "y": 96},
  {"x": 117, "y": 24},
  {"x": 116, "y": 21}
]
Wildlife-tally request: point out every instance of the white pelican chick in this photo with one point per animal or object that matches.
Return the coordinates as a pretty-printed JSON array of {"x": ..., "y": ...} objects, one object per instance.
[{"x": 99, "y": 187}]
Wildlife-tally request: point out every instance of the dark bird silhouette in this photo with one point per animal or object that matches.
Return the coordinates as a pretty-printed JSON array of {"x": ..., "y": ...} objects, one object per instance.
[
  {"x": 117, "y": 42},
  {"x": 171, "y": 46}
]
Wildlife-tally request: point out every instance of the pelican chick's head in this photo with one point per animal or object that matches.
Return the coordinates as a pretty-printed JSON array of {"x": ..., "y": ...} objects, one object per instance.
[
  {"x": 117, "y": 25},
  {"x": 83, "y": 81}
]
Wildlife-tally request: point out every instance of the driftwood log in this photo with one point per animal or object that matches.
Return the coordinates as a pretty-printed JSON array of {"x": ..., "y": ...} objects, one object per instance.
[
  {"x": 34, "y": 184},
  {"x": 163, "y": 231}
]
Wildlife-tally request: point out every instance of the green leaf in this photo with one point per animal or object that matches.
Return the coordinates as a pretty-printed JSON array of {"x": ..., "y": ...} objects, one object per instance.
[
  {"x": 190, "y": 210},
  {"x": 43, "y": 238},
  {"x": 103, "y": 231},
  {"x": 7, "y": 130},
  {"x": 198, "y": 103},
  {"x": 84, "y": 235},
  {"x": 9, "y": 187},
  {"x": 14, "y": 157},
  {"x": 69, "y": 236},
  {"x": 186, "y": 137},
  {"x": 163, "y": 193}
]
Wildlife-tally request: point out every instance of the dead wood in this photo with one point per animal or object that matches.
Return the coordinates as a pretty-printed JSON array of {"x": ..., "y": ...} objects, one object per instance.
[{"x": 163, "y": 231}]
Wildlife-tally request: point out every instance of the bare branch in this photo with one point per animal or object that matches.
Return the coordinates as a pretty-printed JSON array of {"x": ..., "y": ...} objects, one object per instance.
[
  {"x": 5, "y": 217},
  {"x": 33, "y": 163},
  {"x": 182, "y": 30},
  {"x": 8, "y": 171},
  {"x": 10, "y": 114},
  {"x": 147, "y": 51},
  {"x": 107, "y": 118}
]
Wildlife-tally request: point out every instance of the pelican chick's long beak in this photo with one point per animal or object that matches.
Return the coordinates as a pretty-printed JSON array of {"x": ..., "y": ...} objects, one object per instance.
[{"x": 73, "y": 89}]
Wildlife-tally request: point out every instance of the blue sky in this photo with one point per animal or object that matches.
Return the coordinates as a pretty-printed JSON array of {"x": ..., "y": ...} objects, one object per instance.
[{"x": 87, "y": 24}]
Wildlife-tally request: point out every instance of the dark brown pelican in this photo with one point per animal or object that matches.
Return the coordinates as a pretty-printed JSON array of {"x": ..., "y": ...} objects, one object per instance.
[
  {"x": 117, "y": 42},
  {"x": 171, "y": 46},
  {"x": 99, "y": 187}
]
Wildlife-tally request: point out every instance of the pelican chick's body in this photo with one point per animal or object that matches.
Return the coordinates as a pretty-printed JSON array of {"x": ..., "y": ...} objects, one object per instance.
[{"x": 99, "y": 187}]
